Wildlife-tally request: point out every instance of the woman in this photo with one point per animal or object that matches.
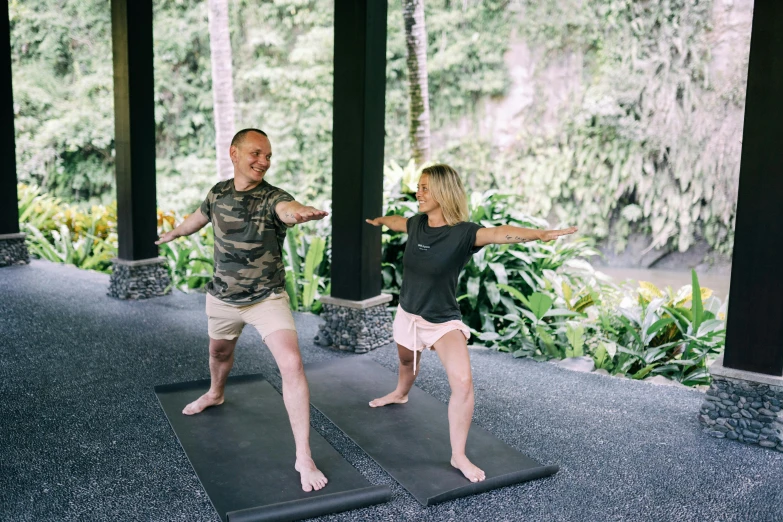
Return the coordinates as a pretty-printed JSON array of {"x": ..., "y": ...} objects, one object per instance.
[{"x": 440, "y": 243}]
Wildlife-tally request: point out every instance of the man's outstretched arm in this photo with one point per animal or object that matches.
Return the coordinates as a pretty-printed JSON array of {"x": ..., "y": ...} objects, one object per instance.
[
  {"x": 293, "y": 212},
  {"x": 193, "y": 223}
]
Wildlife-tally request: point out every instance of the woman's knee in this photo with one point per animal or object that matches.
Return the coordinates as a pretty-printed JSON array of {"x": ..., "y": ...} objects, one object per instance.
[
  {"x": 461, "y": 384},
  {"x": 406, "y": 356}
]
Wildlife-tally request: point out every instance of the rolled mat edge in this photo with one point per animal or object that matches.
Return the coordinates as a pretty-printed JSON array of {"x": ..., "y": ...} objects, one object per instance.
[
  {"x": 489, "y": 484},
  {"x": 313, "y": 507}
]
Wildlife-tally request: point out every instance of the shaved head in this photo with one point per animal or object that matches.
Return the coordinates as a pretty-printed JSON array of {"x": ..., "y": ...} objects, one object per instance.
[{"x": 239, "y": 137}]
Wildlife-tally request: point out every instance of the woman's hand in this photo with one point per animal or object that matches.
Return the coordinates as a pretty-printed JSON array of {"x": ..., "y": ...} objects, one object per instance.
[{"x": 395, "y": 223}]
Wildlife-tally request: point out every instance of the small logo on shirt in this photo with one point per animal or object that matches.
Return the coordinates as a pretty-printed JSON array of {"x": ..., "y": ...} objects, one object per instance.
[{"x": 423, "y": 248}]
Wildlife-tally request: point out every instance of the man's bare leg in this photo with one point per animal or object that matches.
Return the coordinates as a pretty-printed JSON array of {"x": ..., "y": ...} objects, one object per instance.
[
  {"x": 221, "y": 359},
  {"x": 404, "y": 381},
  {"x": 453, "y": 353},
  {"x": 296, "y": 396}
]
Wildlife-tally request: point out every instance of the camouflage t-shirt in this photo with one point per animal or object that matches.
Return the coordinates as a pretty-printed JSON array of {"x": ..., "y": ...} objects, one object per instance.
[{"x": 248, "y": 242}]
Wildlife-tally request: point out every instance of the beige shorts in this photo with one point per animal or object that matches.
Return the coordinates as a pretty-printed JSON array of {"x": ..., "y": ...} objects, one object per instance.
[
  {"x": 226, "y": 321},
  {"x": 416, "y": 333}
]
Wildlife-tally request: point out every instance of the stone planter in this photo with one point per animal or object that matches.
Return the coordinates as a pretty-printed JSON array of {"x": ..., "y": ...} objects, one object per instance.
[
  {"x": 357, "y": 326},
  {"x": 744, "y": 406},
  {"x": 140, "y": 279}
]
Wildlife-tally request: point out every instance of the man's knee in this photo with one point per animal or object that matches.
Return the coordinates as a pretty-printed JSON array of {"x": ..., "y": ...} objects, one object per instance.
[
  {"x": 221, "y": 349},
  {"x": 290, "y": 365}
]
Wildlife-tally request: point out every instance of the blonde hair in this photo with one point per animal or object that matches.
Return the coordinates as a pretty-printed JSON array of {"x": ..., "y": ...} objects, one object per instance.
[{"x": 447, "y": 189}]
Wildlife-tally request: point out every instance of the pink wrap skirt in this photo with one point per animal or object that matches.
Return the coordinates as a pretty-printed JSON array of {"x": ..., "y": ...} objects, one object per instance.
[{"x": 415, "y": 333}]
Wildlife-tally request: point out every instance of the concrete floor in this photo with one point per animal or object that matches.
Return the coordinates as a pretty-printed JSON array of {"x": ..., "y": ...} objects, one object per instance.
[{"x": 82, "y": 435}]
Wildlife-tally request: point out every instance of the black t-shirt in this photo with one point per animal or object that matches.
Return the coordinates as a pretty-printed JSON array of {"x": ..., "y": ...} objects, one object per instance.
[{"x": 433, "y": 259}]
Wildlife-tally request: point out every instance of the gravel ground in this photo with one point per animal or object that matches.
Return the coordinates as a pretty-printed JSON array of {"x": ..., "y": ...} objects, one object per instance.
[{"x": 82, "y": 436}]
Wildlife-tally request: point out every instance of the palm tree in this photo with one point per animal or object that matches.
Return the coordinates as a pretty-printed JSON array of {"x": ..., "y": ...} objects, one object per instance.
[
  {"x": 416, "y": 44},
  {"x": 222, "y": 85}
]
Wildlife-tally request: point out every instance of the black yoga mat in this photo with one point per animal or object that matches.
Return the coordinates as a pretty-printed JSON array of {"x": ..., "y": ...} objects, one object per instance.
[
  {"x": 243, "y": 453},
  {"x": 411, "y": 441}
]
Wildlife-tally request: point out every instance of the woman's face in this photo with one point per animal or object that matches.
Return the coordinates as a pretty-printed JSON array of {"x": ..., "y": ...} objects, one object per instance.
[{"x": 423, "y": 195}]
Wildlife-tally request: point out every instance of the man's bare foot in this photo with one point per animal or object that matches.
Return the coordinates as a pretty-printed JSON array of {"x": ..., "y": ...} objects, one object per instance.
[
  {"x": 312, "y": 478},
  {"x": 202, "y": 403},
  {"x": 471, "y": 472},
  {"x": 393, "y": 398}
]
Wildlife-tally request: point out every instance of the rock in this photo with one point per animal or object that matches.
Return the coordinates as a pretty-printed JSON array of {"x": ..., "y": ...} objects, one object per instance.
[
  {"x": 660, "y": 379},
  {"x": 578, "y": 364},
  {"x": 601, "y": 371}
]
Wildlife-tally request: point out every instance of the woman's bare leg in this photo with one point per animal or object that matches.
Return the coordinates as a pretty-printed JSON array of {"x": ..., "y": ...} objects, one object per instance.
[
  {"x": 405, "y": 380},
  {"x": 453, "y": 352}
]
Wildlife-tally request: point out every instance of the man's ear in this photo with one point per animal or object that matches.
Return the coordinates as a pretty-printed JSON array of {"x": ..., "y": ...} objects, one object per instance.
[{"x": 233, "y": 153}]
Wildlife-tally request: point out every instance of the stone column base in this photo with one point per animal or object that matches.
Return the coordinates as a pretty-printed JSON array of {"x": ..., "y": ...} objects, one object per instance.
[
  {"x": 139, "y": 279},
  {"x": 357, "y": 326},
  {"x": 744, "y": 406},
  {"x": 13, "y": 250}
]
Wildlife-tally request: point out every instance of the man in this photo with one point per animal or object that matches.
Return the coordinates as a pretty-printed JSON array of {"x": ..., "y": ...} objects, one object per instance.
[{"x": 250, "y": 217}]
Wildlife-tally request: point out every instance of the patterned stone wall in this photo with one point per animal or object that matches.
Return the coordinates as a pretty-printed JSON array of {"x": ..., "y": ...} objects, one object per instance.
[
  {"x": 745, "y": 411},
  {"x": 353, "y": 329},
  {"x": 13, "y": 250},
  {"x": 134, "y": 280}
]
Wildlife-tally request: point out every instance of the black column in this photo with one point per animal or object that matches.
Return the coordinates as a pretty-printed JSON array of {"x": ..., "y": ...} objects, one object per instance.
[
  {"x": 9, "y": 204},
  {"x": 754, "y": 329},
  {"x": 134, "y": 124},
  {"x": 357, "y": 158}
]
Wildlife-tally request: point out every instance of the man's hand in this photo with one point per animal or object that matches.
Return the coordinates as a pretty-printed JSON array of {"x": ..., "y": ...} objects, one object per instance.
[
  {"x": 551, "y": 235},
  {"x": 193, "y": 223},
  {"x": 375, "y": 222},
  {"x": 168, "y": 236},
  {"x": 301, "y": 214}
]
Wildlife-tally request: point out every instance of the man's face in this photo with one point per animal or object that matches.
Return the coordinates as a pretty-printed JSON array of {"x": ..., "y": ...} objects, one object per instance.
[{"x": 252, "y": 157}]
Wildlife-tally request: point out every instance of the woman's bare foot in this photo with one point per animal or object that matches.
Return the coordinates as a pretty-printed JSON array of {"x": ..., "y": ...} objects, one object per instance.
[
  {"x": 202, "y": 403},
  {"x": 393, "y": 398},
  {"x": 471, "y": 472},
  {"x": 312, "y": 478}
]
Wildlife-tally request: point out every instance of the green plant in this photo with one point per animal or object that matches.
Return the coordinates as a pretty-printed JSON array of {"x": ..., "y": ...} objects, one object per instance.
[
  {"x": 189, "y": 258},
  {"x": 87, "y": 251},
  {"x": 670, "y": 334},
  {"x": 307, "y": 273}
]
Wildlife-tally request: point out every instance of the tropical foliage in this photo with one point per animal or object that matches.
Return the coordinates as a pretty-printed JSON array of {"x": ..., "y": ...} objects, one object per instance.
[{"x": 648, "y": 142}]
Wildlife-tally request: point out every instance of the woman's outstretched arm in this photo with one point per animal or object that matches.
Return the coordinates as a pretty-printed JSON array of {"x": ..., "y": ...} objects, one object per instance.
[
  {"x": 506, "y": 234},
  {"x": 395, "y": 223}
]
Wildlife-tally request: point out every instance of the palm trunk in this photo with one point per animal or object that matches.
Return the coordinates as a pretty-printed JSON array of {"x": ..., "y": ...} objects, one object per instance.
[
  {"x": 416, "y": 43},
  {"x": 222, "y": 85}
]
